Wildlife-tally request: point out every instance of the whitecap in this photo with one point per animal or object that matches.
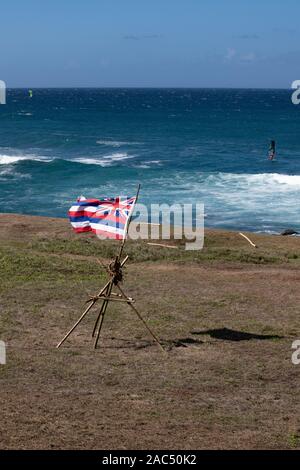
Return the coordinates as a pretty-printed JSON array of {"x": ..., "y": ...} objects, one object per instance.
[
  {"x": 115, "y": 143},
  {"x": 154, "y": 162},
  {"x": 107, "y": 160},
  {"x": 10, "y": 159},
  {"x": 149, "y": 164}
]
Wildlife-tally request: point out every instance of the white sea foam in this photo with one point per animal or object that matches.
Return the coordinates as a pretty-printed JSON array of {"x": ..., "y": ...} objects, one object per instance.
[
  {"x": 264, "y": 182},
  {"x": 290, "y": 180},
  {"x": 266, "y": 202},
  {"x": 154, "y": 162},
  {"x": 8, "y": 173},
  {"x": 149, "y": 164},
  {"x": 115, "y": 143},
  {"x": 142, "y": 166},
  {"x": 9, "y": 159},
  {"x": 106, "y": 160},
  {"x": 268, "y": 232}
]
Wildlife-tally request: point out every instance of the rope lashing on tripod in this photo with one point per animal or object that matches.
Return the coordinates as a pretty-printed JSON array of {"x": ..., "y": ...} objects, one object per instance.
[{"x": 115, "y": 270}]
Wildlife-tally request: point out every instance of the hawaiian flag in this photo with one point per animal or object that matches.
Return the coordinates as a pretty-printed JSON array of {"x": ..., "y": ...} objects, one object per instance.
[{"x": 107, "y": 217}]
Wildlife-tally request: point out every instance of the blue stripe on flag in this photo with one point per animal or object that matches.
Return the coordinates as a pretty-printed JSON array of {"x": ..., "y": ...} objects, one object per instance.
[
  {"x": 110, "y": 223},
  {"x": 82, "y": 218}
]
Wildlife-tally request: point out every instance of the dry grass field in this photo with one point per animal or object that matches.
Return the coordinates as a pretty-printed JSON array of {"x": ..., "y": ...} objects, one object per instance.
[{"x": 227, "y": 316}]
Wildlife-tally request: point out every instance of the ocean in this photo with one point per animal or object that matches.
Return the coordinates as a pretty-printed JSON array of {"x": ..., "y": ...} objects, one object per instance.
[{"x": 183, "y": 145}]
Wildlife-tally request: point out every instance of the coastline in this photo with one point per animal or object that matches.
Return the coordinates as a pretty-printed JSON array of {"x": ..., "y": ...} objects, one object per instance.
[{"x": 23, "y": 226}]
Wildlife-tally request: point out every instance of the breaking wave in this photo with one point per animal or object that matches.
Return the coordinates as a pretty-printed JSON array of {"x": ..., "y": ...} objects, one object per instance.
[
  {"x": 9, "y": 159},
  {"x": 106, "y": 160}
]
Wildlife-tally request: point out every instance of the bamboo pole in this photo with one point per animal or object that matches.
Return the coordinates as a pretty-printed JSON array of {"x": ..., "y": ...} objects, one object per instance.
[
  {"x": 248, "y": 239},
  {"x": 83, "y": 315},
  {"x": 105, "y": 304},
  {"x": 114, "y": 299},
  {"x": 93, "y": 301},
  {"x": 128, "y": 222},
  {"x": 142, "y": 319},
  {"x": 100, "y": 313}
]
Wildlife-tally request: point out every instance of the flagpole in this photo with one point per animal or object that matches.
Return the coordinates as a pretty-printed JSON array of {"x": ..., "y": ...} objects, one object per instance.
[{"x": 128, "y": 222}]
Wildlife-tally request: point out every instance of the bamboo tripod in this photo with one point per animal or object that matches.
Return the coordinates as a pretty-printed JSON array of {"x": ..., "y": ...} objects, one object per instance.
[{"x": 106, "y": 295}]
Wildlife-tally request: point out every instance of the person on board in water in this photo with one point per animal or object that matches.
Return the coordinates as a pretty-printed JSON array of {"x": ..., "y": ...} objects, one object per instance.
[{"x": 272, "y": 150}]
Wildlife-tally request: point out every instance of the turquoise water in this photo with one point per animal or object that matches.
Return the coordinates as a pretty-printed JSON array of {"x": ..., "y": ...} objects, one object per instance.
[{"x": 182, "y": 145}]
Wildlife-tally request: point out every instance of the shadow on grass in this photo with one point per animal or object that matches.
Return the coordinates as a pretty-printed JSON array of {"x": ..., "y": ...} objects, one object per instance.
[
  {"x": 122, "y": 343},
  {"x": 232, "y": 335},
  {"x": 183, "y": 342},
  {"x": 220, "y": 333}
]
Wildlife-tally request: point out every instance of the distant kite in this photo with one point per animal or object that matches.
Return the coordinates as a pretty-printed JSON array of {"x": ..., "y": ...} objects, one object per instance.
[{"x": 30, "y": 93}]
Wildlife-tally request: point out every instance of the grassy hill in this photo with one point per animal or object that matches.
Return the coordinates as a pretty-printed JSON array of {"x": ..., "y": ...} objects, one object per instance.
[{"x": 227, "y": 315}]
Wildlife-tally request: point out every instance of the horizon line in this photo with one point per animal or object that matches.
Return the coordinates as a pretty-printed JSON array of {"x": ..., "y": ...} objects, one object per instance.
[{"x": 145, "y": 88}]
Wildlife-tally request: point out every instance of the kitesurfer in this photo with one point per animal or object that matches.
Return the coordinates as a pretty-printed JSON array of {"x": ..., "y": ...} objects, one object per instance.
[{"x": 272, "y": 150}]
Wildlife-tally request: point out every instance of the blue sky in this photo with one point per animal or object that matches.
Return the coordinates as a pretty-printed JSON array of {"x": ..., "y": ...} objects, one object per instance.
[{"x": 151, "y": 43}]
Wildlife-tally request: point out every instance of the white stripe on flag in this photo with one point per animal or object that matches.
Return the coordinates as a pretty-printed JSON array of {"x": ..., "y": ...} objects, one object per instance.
[
  {"x": 83, "y": 208},
  {"x": 80, "y": 224},
  {"x": 107, "y": 228}
]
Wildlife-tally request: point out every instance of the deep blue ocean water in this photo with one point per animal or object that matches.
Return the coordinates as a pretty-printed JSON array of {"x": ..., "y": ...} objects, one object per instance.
[{"x": 182, "y": 145}]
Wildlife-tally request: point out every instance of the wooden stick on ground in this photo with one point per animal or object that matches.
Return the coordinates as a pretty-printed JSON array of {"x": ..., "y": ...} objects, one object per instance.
[
  {"x": 161, "y": 244},
  {"x": 248, "y": 239}
]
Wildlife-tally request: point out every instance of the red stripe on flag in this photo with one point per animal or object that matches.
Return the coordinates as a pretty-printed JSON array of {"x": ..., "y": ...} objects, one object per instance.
[
  {"x": 82, "y": 229},
  {"x": 80, "y": 213}
]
